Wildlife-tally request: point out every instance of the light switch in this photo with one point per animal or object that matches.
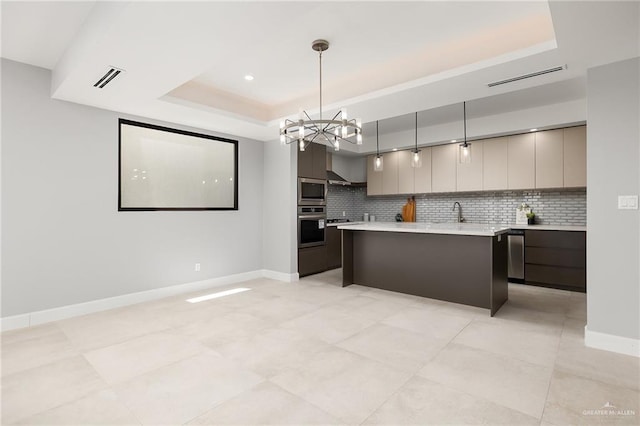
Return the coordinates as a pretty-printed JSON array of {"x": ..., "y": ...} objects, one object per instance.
[{"x": 627, "y": 202}]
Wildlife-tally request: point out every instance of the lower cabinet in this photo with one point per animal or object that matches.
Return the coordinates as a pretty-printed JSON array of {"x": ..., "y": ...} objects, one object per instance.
[
  {"x": 556, "y": 259},
  {"x": 312, "y": 260},
  {"x": 334, "y": 247}
]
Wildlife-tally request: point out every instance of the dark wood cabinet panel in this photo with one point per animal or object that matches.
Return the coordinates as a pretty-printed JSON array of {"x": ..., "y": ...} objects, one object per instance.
[
  {"x": 312, "y": 260},
  {"x": 557, "y": 239},
  {"x": 556, "y": 259},
  {"x": 571, "y": 258},
  {"x": 334, "y": 247},
  {"x": 312, "y": 162},
  {"x": 556, "y": 275}
]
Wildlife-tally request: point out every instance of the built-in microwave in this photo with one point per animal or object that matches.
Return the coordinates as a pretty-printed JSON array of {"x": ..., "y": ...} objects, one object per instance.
[{"x": 312, "y": 192}]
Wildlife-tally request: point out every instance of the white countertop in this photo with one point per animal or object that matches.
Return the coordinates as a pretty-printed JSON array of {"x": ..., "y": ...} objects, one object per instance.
[
  {"x": 478, "y": 229},
  {"x": 549, "y": 227}
]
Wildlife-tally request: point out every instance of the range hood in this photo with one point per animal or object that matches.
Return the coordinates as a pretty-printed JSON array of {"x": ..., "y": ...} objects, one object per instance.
[{"x": 334, "y": 178}]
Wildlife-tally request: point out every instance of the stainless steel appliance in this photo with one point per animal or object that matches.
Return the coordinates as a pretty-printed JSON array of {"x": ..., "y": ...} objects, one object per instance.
[
  {"x": 312, "y": 192},
  {"x": 516, "y": 256},
  {"x": 311, "y": 226}
]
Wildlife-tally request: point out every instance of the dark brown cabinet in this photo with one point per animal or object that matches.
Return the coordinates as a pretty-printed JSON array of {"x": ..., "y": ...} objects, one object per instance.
[
  {"x": 334, "y": 247},
  {"x": 312, "y": 260},
  {"x": 312, "y": 162},
  {"x": 556, "y": 259}
]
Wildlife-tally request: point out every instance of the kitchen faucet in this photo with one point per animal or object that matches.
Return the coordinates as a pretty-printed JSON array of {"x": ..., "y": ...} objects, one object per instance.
[{"x": 460, "y": 218}]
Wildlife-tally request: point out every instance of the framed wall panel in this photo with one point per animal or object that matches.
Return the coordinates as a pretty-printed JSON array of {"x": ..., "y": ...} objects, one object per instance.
[{"x": 160, "y": 168}]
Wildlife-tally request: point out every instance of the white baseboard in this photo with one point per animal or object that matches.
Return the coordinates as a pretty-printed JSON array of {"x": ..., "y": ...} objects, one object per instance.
[
  {"x": 63, "y": 312},
  {"x": 280, "y": 276},
  {"x": 612, "y": 343}
]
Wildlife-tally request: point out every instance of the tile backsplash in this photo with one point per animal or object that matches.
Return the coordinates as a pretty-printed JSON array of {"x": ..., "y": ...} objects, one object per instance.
[{"x": 552, "y": 206}]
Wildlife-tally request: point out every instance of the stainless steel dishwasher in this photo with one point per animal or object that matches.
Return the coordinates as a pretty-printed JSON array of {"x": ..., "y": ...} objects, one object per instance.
[{"x": 516, "y": 255}]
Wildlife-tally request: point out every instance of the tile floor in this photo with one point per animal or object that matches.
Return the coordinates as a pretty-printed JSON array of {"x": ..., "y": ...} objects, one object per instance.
[{"x": 315, "y": 353}]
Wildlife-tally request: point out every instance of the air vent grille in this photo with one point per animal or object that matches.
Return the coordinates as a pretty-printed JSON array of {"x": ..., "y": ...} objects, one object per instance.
[
  {"x": 525, "y": 76},
  {"x": 108, "y": 77}
]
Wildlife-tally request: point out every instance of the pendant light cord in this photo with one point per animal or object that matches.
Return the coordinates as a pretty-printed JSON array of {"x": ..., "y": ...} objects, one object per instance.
[
  {"x": 464, "y": 113},
  {"x": 377, "y": 141},
  {"x": 416, "y": 132},
  {"x": 320, "y": 61}
]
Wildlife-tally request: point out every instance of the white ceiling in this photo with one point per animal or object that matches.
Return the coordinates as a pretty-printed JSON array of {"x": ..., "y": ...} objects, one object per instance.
[{"x": 185, "y": 61}]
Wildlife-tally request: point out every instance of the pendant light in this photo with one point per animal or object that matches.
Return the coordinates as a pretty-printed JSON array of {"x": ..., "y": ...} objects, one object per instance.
[
  {"x": 416, "y": 156},
  {"x": 330, "y": 132},
  {"x": 378, "y": 163},
  {"x": 465, "y": 147}
]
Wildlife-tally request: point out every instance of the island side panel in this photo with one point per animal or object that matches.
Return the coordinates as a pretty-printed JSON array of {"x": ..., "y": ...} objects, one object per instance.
[
  {"x": 347, "y": 258},
  {"x": 454, "y": 268},
  {"x": 500, "y": 280}
]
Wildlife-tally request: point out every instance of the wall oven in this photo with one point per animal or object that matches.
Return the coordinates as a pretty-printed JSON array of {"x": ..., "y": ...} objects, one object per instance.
[
  {"x": 311, "y": 226},
  {"x": 312, "y": 192}
]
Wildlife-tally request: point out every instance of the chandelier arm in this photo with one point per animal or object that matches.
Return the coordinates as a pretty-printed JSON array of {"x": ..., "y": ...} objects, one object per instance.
[{"x": 313, "y": 123}]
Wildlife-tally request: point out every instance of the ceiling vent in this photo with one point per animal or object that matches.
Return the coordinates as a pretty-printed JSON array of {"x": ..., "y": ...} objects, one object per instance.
[
  {"x": 108, "y": 77},
  {"x": 522, "y": 77}
]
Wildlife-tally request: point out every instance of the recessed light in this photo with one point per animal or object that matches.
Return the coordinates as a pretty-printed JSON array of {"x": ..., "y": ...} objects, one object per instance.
[
  {"x": 533, "y": 130},
  {"x": 395, "y": 149},
  {"x": 248, "y": 77},
  {"x": 454, "y": 140}
]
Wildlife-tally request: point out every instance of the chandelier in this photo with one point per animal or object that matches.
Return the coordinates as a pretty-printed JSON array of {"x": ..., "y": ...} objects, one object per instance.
[{"x": 330, "y": 132}]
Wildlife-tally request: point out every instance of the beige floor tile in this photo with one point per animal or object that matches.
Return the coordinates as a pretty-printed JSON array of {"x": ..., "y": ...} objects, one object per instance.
[
  {"x": 423, "y": 402},
  {"x": 577, "y": 306},
  {"x": 539, "y": 298},
  {"x": 575, "y": 358},
  {"x": 109, "y": 327},
  {"x": 346, "y": 385},
  {"x": 536, "y": 347},
  {"x": 428, "y": 322},
  {"x": 578, "y": 400},
  {"x": 182, "y": 391},
  {"x": 515, "y": 384},
  {"x": 126, "y": 360},
  {"x": 43, "y": 348},
  {"x": 226, "y": 328},
  {"x": 272, "y": 351},
  {"x": 180, "y": 312},
  {"x": 528, "y": 319},
  {"x": 280, "y": 309},
  {"x": 28, "y": 333},
  {"x": 330, "y": 324},
  {"x": 466, "y": 311},
  {"x": 395, "y": 347},
  {"x": 99, "y": 408},
  {"x": 39, "y": 389},
  {"x": 265, "y": 404},
  {"x": 391, "y": 296}
]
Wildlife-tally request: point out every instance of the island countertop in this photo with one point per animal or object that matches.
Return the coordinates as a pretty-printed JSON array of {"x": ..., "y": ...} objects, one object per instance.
[{"x": 474, "y": 229}]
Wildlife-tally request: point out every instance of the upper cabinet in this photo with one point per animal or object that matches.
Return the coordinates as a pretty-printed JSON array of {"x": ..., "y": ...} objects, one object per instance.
[
  {"x": 390, "y": 173},
  {"x": 312, "y": 162},
  {"x": 443, "y": 167},
  {"x": 521, "y": 161},
  {"x": 469, "y": 175},
  {"x": 549, "y": 159},
  {"x": 374, "y": 179},
  {"x": 494, "y": 164},
  {"x": 575, "y": 156},
  {"x": 422, "y": 175},
  {"x": 406, "y": 173}
]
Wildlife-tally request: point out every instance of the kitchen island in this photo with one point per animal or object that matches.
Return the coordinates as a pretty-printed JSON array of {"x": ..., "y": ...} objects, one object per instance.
[{"x": 455, "y": 262}]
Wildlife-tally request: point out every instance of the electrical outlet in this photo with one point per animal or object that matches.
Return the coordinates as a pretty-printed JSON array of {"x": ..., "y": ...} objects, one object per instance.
[
  {"x": 197, "y": 267},
  {"x": 628, "y": 202}
]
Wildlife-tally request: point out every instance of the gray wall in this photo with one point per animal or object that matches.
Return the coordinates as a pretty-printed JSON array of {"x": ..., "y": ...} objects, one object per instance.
[
  {"x": 613, "y": 168},
  {"x": 279, "y": 245},
  {"x": 63, "y": 240},
  {"x": 552, "y": 207}
]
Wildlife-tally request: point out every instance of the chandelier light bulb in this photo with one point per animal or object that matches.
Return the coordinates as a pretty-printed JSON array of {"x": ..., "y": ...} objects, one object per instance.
[
  {"x": 301, "y": 145},
  {"x": 336, "y": 145},
  {"x": 359, "y": 138}
]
